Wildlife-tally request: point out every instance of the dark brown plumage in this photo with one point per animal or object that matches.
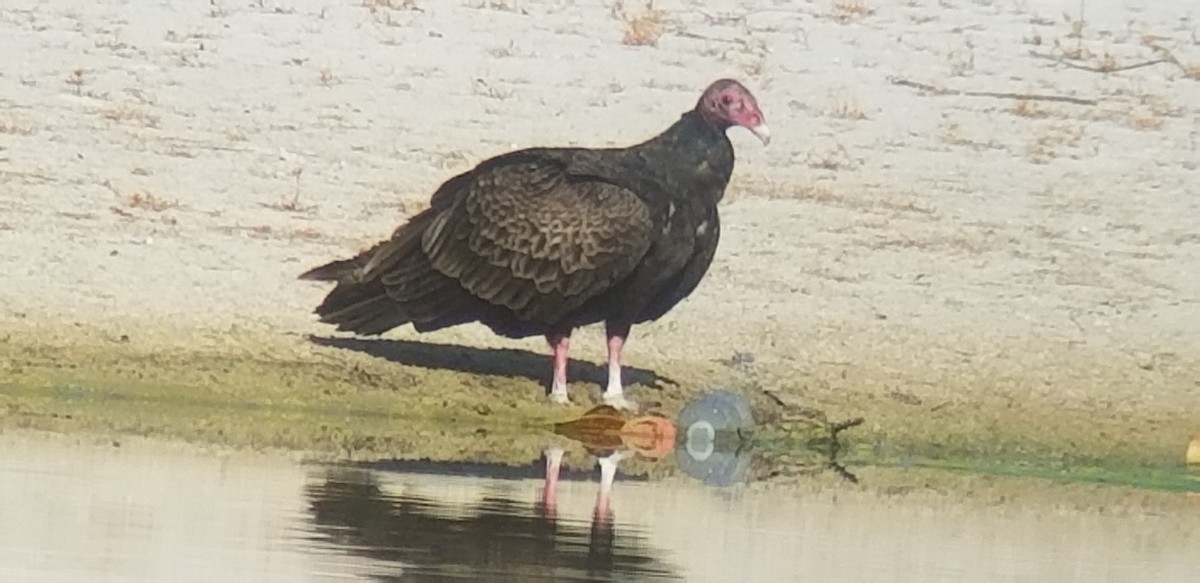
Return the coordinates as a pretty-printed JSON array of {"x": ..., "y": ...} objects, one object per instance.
[{"x": 543, "y": 240}]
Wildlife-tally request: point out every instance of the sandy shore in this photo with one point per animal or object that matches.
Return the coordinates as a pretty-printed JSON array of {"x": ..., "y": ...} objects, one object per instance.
[{"x": 971, "y": 215}]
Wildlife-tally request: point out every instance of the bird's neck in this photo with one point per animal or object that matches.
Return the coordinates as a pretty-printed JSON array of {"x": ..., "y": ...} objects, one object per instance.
[
  {"x": 701, "y": 157},
  {"x": 691, "y": 133}
]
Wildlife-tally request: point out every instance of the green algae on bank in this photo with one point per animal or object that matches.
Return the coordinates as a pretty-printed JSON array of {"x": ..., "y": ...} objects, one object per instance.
[
  {"x": 783, "y": 452},
  {"x": 329, "y": 405}
]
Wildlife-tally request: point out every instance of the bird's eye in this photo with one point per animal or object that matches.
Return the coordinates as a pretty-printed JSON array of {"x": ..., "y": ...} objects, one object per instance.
[{"x": 726, "y": 99}]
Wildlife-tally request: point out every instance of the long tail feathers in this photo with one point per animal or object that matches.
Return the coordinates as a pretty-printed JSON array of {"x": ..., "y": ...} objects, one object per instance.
[
  {"x": 332, "y": 271},
  {"x": 400, "y": 286}
]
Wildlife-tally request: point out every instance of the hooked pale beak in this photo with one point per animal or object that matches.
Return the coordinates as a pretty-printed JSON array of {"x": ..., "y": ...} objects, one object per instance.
[{"x": 762, "y": 132}]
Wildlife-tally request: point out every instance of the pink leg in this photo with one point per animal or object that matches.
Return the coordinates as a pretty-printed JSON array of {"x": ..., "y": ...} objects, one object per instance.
[
  {"x": 614, "y": 393},
  {"x": 554, "y": 457},
  {"x": 608, "y": 474},
  {"x": 560, "y": 343}
]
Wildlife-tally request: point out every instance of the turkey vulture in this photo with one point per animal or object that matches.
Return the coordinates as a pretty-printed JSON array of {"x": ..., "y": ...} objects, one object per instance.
[{"x": 543, "y": 240}]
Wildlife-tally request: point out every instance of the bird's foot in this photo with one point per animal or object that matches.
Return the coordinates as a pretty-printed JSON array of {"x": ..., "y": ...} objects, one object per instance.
[
  {"x": 618, "y": 401},
  {"x": 554, "y": 457},
  {"x": 559, "y": 398},
  {"x": 611, "y": 460}
]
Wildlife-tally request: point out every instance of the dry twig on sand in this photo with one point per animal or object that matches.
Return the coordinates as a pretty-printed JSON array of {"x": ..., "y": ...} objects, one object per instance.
[
  {"x": 1165, "y": 56},
  {"x": 1102, "y": 68},
  {"x": 998, "y": 94},
  {"x": 1191, "y": 71}
]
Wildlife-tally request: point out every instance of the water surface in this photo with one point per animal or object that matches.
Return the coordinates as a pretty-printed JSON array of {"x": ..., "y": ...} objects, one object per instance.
[{"x": 145, "y": 512}]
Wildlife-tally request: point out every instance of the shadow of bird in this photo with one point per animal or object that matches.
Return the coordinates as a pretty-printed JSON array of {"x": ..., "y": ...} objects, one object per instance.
[{"x": 500, "y": 362}]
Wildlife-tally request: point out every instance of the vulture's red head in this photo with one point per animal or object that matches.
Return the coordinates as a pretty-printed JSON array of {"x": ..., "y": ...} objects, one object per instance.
[{"x": 726, "y": 103}]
